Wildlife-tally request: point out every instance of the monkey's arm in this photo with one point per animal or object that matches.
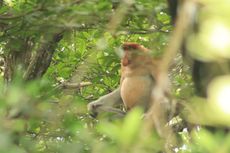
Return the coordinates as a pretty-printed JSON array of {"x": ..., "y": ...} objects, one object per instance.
[{"x": 106, "y": 103}]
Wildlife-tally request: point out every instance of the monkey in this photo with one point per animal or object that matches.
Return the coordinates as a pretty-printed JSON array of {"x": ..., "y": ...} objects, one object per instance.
[
  {"x": 139, "y": 73},
  {"x": 136, "y": 79}
]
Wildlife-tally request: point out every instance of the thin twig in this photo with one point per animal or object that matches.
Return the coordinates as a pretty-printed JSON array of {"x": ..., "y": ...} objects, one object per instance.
[{"x": 75, "y": 85}]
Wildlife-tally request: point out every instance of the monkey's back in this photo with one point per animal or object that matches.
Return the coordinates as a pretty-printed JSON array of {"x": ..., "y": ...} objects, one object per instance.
[{"x": 136, "y": 91}]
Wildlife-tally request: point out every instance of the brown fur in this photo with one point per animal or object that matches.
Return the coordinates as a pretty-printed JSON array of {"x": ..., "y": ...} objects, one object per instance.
[{"x": 137, "y": 76}]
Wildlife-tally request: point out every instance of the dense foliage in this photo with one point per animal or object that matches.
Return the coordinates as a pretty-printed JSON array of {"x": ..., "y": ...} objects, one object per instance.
[{"x": 45, "y": 44}]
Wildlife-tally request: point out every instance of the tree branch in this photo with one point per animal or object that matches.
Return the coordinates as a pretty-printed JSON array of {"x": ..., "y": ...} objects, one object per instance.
[{"x": 74, "y": 85}]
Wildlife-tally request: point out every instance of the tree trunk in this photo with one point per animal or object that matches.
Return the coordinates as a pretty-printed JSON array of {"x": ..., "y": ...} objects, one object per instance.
[
  {"x": 41, "y": 60},
  {"x": 30, "y": 64},
  {"x": 17, "y": 56}
]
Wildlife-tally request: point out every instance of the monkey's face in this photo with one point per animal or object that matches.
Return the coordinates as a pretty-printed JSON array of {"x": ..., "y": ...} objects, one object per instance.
[{"x": 133, "y": 54}]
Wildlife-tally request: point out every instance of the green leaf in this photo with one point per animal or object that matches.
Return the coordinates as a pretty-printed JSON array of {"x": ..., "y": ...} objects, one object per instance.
[{"x": 131, "y": 127}]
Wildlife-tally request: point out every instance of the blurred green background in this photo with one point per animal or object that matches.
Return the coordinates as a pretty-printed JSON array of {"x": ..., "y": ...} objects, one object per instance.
[{"x": 45, "y": 43}]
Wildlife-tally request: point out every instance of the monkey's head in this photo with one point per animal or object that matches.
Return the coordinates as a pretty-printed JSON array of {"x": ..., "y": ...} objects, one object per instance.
[{"x": 133, "y": 53}]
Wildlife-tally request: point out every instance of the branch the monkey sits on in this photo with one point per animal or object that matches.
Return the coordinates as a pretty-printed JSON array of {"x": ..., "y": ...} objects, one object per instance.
[{"x": 139, "y": 73}]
